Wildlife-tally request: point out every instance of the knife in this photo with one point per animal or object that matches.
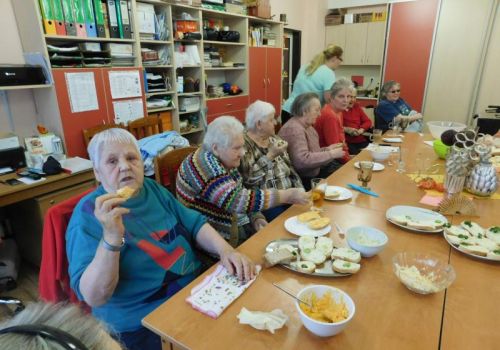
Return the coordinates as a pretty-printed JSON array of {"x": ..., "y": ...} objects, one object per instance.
[{"x": 362, "y": 189}]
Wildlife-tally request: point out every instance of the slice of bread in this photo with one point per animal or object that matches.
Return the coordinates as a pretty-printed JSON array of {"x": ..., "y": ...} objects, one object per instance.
[
  {"x": 343, "y": 266},
  {"x": 422, "y": 225},
  {"x": 455, "y": 240},
  {"x": 494, "y": 255},
  {"x": 346, "y": 254},
  {"x": 307, "y": 242},
  {"x": 400, "y": 219},
  {"x": 125, "y": 192},
  {"x": 304, "y": 266},
  {"x": 280, "y": 256},
  {"x": 318, "y": 224},
  {"x": 486, "y": 243},
  {"x": 325, "y": 245},
  {"x": 315, "y": 255},
  {"x": 456, "y": 231},
  {"x": 474, "y": 249},
  {"x": 289, "y": 247},
  {"x": 331, "y": 193},
  {"x": 472, "y": 227},
  {"x": 493, "y": 233},
  {"x": 308, "y": 216}
]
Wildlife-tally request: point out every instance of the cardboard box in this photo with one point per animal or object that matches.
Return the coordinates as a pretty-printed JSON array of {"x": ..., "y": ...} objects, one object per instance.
[{"x": 262, "y": 11}]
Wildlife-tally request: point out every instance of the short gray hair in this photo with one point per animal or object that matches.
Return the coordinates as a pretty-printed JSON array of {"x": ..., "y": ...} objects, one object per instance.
[
  {"x": 256, "y": 112},
  {"x": 106, "y": 137},
  {"x": 339, "y": 85},
  {"x": 68, "y": 318},
  {"x": 302, "y": 103},
  {"x": 386, "y": 88},
  {"x": 222, "y": 132}
]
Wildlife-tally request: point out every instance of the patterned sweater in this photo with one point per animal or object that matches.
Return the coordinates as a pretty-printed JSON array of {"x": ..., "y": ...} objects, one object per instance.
[{"x": 204, "y": 184}]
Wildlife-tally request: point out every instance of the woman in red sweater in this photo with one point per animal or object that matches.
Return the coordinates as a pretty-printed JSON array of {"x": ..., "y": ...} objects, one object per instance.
[
  {"x": 330, "y": 125},
  {"x": 356, "y": 123}
]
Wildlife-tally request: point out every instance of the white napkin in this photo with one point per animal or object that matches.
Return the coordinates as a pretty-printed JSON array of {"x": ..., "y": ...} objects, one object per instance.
[{"x": 270, "y": 321}]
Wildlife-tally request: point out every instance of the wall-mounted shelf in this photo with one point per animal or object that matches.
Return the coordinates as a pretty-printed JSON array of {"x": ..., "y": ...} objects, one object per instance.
[{"x": 82, "y": 39}]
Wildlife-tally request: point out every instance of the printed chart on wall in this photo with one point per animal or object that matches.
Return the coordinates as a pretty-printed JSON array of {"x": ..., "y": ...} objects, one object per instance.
[
  {"x": 128, "y": 110},
  {"x": 82, "y": 92},
  {"x": 125, "y": 84}
]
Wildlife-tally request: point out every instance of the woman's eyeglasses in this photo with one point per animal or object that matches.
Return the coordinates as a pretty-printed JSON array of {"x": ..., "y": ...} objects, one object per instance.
[
  {"x": 395, "y": 91},
  {"x": 340, "y": 59}
]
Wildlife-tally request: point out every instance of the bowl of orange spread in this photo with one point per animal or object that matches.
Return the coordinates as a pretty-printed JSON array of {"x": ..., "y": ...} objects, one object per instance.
[{"x": 328, "y": 309}]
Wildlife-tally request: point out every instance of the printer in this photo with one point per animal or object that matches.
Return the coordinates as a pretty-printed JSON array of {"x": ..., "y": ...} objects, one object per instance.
[{"x": 12, "y": 75}]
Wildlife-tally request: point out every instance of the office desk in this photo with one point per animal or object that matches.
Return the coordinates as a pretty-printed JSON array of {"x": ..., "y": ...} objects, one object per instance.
[
  {"x": 13, "y": 194},
  {"x": 388, "y": 315}
]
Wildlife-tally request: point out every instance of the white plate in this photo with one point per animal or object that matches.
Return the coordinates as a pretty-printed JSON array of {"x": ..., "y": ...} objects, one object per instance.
[
  {"x": 376, "y": 166},
  {"x": 392, "y": 139},
  {"x": 419, "y": 214},
  {"x": 467, "y": 253},
  {"x": 344, "y": 193},
  {"x": 298, "y": 228},
  {"x": 324, "y": 270}
]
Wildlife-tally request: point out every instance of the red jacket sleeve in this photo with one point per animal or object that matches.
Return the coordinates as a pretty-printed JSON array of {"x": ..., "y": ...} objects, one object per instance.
[{"x": 366, "y": 123}]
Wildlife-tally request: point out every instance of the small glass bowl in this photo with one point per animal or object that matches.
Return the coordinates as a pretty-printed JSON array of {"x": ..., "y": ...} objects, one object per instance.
[{"x": 423, "y": 273}]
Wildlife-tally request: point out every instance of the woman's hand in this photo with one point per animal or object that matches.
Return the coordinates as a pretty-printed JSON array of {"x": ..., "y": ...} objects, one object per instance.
[
  {"x": 336, "y": 153},
  {"x": 109, "y": 213},
  {"x": 276, "y": 149},
  {"x": 238, "y": 264},
  {"x": 360, "y": 131},
  {"x": 259, "y": 223},
  {"x": 295, "y": 196},
  {"x": 350, "y": 131}
]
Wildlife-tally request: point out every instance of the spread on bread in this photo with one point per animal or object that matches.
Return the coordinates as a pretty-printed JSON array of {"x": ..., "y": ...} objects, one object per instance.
[
  {"x": 412, "y": 277},
  {"x": 125, "y": 192},
  {"x": 471, "y": 238},
  {"x": 411, "y": 222},
  {"x": 308, "y": 216}
]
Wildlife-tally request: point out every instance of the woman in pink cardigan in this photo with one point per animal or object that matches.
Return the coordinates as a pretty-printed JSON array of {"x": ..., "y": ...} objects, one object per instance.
[{"x": 308, "y": 158}]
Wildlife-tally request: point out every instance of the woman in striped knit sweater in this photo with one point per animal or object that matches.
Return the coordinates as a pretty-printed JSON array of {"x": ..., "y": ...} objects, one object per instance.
[{"x": 208, "y": 181}]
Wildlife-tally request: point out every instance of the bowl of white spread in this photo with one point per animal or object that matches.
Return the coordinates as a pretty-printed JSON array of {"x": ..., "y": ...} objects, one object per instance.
[
  {"x": 423, "y": 273},
  {"x": 367, "y": 240}
]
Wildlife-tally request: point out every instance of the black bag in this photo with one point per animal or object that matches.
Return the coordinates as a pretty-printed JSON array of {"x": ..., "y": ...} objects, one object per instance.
[
  {"x": 51, "y": 166},
  {"x": 229, "y": 35},
  {"x": 210, "y": 34},
  {"x": 192, "y": 36}
]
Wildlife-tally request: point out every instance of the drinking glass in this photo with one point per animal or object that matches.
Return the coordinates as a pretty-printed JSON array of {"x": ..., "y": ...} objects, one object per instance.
[
  {"x": 376, "y": 136},
  {"x": 365, "y": 173},
  {"x": 401, "y": 164},
  {"x": 318, "y": 188}
]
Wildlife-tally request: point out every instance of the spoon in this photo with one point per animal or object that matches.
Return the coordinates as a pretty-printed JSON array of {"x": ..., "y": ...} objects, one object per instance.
[{"x": 293, "y": 296}]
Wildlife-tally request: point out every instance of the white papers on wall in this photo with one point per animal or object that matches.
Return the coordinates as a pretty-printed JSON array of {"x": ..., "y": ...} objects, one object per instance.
[
  {"x": 128, "y": 110},
  {"x": 82, "y": 92},
  {"x": 125, "y": 84}
]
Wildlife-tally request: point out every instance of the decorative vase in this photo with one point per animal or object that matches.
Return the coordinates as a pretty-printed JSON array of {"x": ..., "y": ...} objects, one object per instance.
[
  {"x": 482, "y": 180},
  {"x": 454, "y": 184}
]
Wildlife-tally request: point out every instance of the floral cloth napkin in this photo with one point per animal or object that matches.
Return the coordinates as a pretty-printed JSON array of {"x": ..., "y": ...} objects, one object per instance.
[{"x": 217, "y": 291}]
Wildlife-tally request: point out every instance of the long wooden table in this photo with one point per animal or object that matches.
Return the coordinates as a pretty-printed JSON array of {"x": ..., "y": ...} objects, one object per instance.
[{"x": 388, "y": 316}]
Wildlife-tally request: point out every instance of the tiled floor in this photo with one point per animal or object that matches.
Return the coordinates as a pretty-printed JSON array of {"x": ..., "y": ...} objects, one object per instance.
[{"x": 27, "y": 288}]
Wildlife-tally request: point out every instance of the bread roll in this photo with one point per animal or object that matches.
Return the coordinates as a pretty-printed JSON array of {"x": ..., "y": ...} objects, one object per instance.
[
  {"x": 308, "y": 216},
  {"x": 125, "y": 192},
  {"x": 346, "y": 254},
  {"x": 303, "y": 266},
  {"x": 314, "y": 255},
  {"x": 331, "y": 193},
  {"x": 318, "y": 224},
  {"x": 307, "y": 242},
  {"x": 343, "y": 266},
  {"x": 325, "y": 245}
]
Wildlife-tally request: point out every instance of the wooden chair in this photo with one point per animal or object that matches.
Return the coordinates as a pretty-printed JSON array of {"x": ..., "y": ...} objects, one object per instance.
[
  {"x": 146, "y": 126},
  {"x": 167, "y": 165},
  {"x": 90, "y": 132}
]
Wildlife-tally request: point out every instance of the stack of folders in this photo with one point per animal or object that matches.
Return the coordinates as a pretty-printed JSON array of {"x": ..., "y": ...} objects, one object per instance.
[
  {"x": 87, "y": 18},
  {"x": 152, "y": 25},
  {"x": 155, "y": 83},
  {"x": 121, "y": 54}
]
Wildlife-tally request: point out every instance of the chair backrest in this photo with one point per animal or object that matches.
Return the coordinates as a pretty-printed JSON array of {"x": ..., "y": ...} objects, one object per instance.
[
  {"x": 146, "y": 126},
  {"x": 90, "y": 132},
  {"x": 54, "y": 278},
  {"x": 167, "y": 165}
]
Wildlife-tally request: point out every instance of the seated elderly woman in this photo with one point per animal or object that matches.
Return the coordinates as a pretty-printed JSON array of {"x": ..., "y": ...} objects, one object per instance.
[
  {"x": 308, "y": 157},
  {"x": 330, "y": 124},
  {"x": 356, "y": 123},
  {"x": 42, "y": 326},
  {"x": 266, "y": 164},
  {"x": 208, "y": 181},
  {"x": 393, "y": 109},
  {"x": 128, "y": 255}
]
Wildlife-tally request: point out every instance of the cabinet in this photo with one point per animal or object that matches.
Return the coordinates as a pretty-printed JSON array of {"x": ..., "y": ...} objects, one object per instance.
[
  {"x": 265, "y": 75},
  {"x": 363, "y": 43},
  {"x": 234, "y": 106},
  {"x": 28, "y": 233}
]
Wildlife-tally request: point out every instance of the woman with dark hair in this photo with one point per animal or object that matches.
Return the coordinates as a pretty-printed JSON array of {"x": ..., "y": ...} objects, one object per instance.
[
  {"x": 393, "y": 109},
  {"x": 308, "y": 158},
  {"x": 317, "y": 76}
]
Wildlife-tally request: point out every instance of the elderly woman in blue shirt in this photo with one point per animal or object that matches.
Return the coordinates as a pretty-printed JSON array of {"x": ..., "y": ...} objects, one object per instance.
[
  {"x": 392, "y": 109},
  {"x": 127, "y": 256}
]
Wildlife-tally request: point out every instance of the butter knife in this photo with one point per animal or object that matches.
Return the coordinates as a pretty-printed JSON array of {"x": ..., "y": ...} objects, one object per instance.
[{"x": 362, "y": 189}]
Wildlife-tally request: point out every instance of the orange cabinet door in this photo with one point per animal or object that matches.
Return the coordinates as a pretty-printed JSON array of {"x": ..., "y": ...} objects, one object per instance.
[
  {"x": 227, "y": 105},
  {"x": 274, "y": 69},
  {"x": 257, "y": 66},
  {"x": 240, "y": 115}
]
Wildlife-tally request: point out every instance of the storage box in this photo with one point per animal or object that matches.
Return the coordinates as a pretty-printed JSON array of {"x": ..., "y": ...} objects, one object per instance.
[
  {"x": 363, "y": 17},
  {"x": 238, "y": 9},
  {"x": 331, "y": 20},
  {"x": 262, "y": 11}
]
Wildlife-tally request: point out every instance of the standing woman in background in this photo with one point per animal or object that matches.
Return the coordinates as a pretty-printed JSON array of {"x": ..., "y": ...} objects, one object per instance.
[{"x": 318, "y": 76}]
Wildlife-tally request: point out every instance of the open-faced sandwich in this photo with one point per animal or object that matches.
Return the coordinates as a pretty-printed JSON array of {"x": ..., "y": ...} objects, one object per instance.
[
  {"x": 473, "y": 239},
  {"x": 308, "y": 216},
  {"x": 125, "y": 192},
  {"x": 346, "y": 254},
  {"x": 344, "y": 266},
  {"x": 331, "y": 193}
]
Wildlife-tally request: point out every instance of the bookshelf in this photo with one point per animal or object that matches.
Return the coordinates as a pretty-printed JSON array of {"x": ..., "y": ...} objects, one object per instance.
[{"x": 184, "y": 83}]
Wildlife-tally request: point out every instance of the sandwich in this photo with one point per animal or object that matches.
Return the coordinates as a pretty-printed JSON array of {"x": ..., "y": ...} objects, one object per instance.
[
  {"x": 314, "y": 255},
  {"x": 455, "y": 240},
  {"x": 279, "y": 256},
  {"x": 493, "y": 233},
  {"x": 422, "y": 225},
  {"x": 343, "y": 266},
  {"x": 485, "y": 242},
  {"x": 125, "y": 192},
  {"x": 307, "y": 242},
  {"x": 456, "y": 231},
  {"x": 318, "y": 224},
  {"x": 473, "y": 249},
  {"x": 304, "y": 266},
  {"x": 346, "y": 254},
  {"x": 331, "y": 193},
  {"x": 308, "y": 216},
  {"x": 400, "y": 219},
  {"x": 472, "y": 227},
  {"x": 494, "y": 255},
  {"x": 325, "y": 245}
]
